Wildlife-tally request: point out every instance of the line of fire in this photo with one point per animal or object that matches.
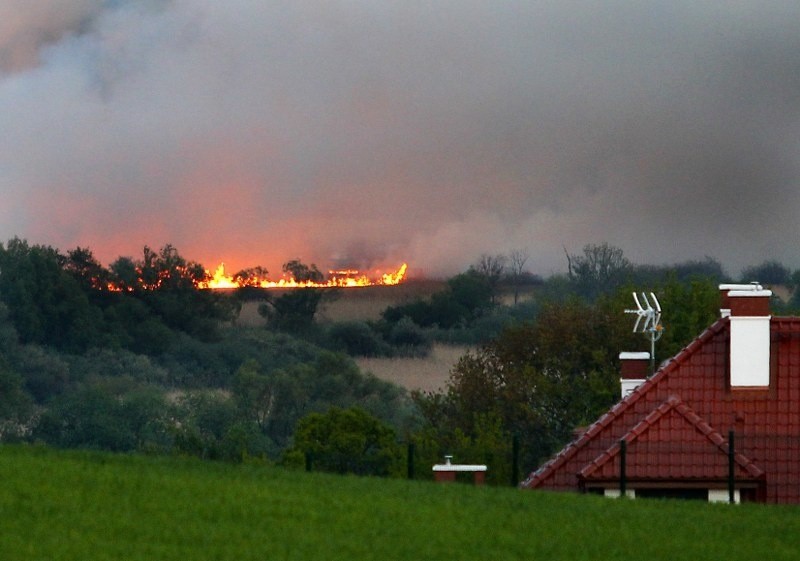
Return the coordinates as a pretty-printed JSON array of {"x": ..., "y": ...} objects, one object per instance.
[{"x": 348, "y": 278}]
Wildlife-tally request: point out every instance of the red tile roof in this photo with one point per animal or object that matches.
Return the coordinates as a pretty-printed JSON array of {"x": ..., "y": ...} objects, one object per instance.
[
  {"x": 672, "y": 442},
  {"x": 676, "y": 423}
]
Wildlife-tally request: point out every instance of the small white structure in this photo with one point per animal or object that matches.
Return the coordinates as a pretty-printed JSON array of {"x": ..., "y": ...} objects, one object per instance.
[{"x": 446, "y": 472}]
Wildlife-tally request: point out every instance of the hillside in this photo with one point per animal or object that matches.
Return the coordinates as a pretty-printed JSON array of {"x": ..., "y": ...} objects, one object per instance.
[
  {"x": 357, "y": 304},
  {"x": 366, "y": 304},
  {"x": 71, "y": 505}
]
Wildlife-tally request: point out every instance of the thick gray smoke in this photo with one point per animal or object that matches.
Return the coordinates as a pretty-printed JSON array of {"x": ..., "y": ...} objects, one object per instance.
[{"x": 376, "y": 132}]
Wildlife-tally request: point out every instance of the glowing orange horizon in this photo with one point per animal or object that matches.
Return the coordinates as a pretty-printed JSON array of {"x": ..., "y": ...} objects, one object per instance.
[{"x": 349, "y": 278}]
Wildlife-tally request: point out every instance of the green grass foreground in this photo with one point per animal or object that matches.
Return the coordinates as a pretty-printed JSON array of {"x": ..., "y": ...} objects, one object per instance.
[{"x": 92, "y": 506}]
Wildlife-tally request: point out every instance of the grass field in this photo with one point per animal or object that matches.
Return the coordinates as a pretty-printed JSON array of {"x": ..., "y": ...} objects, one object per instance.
[{"x": 87, "y": 506}]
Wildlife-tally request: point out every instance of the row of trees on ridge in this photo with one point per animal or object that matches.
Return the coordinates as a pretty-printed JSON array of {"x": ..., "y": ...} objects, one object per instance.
[{"x": 135, "y": 357}]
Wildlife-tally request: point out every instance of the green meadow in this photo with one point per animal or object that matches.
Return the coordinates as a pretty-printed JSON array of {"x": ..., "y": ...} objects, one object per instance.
[{"x": 92, "y": 506}]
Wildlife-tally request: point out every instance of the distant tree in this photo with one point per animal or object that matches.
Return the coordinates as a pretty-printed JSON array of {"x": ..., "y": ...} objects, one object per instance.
[
  {"x": 167, "y": 283},
  {"x": 255, "y": 393},
  {"x": 516, "y": 269},
  {"x": 167, "y": 269},
  {"x": 106, "y": 415},
  {"x": 45, "y": 372},
  {"x": 125, "y": 275},
  {"x": 47, "y": 304},
  {"x": 467, "y": 296},
  {"x": 250, "y": 277},
  {"x": 601, "y": 269},
  {"x": 9, "y": 340},
  {"x": 16, "y": 405},
  {"x": 419, "y": 311},
  {"x": 302, "y": 272},
  {"x": 346, "y": 441},
  {"x": 82, "y": 264},
  {"x": 540, "y": 379},
  {"x": 794, "y": 301},
  {"x": 206, "y": 417},
  {"x": 688, "y": 307},
  {"x": 491, "y": 268},
  {"x": 133, "y": 324},
  {"x": 357, "y": 338},
  {"x": 769, "y": 272},
  {"x": 472, "y": 292},
  {"x": 409, "y": 338},
  {"x": 294, "y": 310},
  {"x": 685, "y": 272},
  {"x": 708, "y": 268},
  {"x": 249, "y": 283}
]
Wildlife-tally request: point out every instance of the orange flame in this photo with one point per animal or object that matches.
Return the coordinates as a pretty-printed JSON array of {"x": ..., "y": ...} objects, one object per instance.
[{"x": 337, "y": 279}]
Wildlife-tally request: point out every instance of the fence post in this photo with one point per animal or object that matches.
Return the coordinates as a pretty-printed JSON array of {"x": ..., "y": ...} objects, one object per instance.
[
  {"x": 731, "y": 468},
  {"x": 623, "y": 484},
  {"x": 410, "y": 460},
  {"x": 515, "y": 460},
  {"x": 309, "y": 461}
]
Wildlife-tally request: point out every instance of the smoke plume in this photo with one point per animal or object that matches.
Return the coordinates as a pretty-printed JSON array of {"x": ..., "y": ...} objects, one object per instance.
[{"x": 369, "y": 133}]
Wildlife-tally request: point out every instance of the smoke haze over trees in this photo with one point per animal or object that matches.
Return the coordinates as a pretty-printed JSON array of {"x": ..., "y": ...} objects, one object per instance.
[
  {"x": 364, "y": 134},
  {"x": 136, "y": 357}
]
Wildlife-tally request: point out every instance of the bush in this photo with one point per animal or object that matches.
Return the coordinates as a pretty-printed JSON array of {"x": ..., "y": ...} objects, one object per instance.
[
  {"x": 409, "y": 338},
  {"x": 45, "y": 373},
  {"x": 16, "y": 406},
  {"x": 117, "y": 363},
  {"x": 104, "y": 417},
  {"x": 346, "y": 441},
  {"x": 481, "y": 331},
  {"x": 212, "y": 428},
  {"x": 357, "y": 338}
]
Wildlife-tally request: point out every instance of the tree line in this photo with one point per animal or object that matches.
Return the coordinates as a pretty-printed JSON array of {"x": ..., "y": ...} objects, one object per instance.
[{"x": 134, "y": 357}]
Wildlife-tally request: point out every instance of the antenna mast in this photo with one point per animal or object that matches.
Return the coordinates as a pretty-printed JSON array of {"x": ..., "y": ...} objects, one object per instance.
[{"x": 648, "y": 322}]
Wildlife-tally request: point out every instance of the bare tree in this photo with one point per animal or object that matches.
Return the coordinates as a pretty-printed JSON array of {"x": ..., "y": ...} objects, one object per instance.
[
  {"x": 601, "y": 268},
  {"x": 516, "y": 267},
  {"x": 491, "y": 268}
]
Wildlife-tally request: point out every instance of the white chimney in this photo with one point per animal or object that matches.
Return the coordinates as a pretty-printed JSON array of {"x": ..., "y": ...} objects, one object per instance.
[
  {"x": 747, "y": 306},
  {"x": 634, "y": 368}
]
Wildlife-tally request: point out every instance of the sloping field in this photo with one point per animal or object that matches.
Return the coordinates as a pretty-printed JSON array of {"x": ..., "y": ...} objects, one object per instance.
[
  {"x": 428, "y": 374},
  {"x": 362, "y": 304},
  {"x": 368, "y": 302},
  {"x": 84, "y": 506},
  {"x": 357, "y": 304}
]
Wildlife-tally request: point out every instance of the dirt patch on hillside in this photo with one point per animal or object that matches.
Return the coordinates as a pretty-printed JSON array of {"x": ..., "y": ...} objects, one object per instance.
[{"x": 427, "y": 374}]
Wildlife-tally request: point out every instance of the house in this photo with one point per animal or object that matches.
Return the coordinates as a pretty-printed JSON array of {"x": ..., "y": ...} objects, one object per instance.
[{"x": 718, "y": 421}]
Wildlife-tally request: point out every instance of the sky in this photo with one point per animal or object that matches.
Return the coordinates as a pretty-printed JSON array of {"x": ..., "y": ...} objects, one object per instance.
[{"x": 368, "y": 133}]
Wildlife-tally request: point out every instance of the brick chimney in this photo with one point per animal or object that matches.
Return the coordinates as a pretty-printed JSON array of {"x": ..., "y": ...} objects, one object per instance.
[
  {"x": 634, "y": 369},
  {"x": 747, "y": 306}
]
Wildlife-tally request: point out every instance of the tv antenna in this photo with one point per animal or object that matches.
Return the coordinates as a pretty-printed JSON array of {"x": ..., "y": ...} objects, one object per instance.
[{"x": 648, "y": 321}]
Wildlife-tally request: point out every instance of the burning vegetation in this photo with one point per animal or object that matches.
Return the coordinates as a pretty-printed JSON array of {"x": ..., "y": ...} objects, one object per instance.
[
  {"x": 308, "y": 278},
  {"x": 167, "y": 269}
]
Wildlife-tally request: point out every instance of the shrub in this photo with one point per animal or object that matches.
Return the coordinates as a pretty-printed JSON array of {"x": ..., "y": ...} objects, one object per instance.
[
  {"x": 105, "y": 416},
  {"x": 346, "y": 441},
  {"x": 409, "y": 338},
  {"x": 357, "y": 338}
]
